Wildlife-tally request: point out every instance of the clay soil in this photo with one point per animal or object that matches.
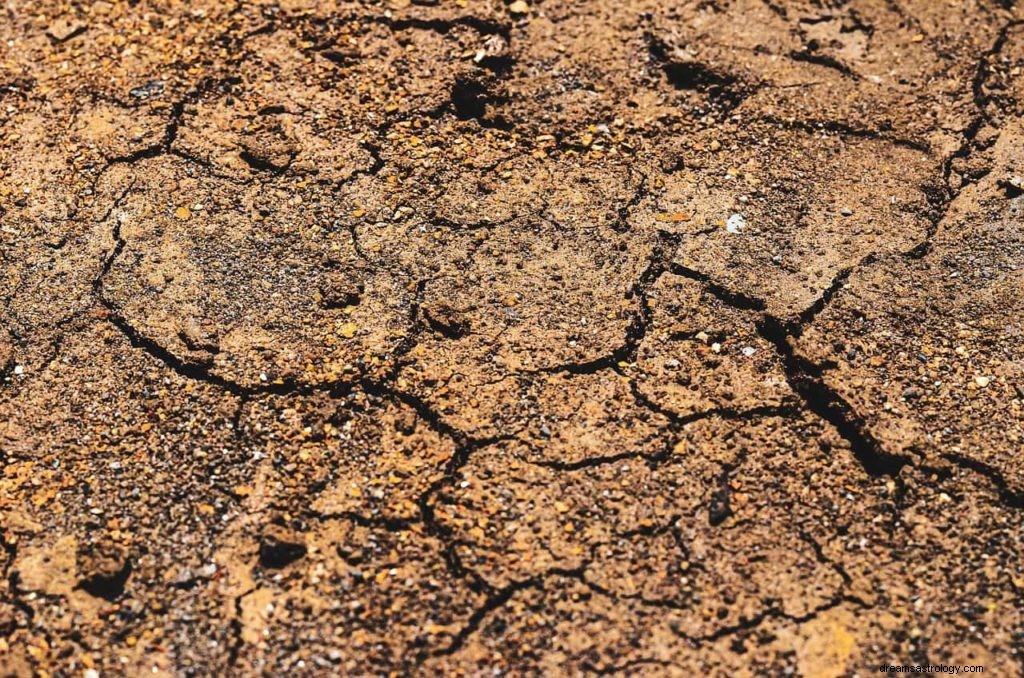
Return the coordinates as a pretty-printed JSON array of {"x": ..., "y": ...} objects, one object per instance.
[{"x": 476, "y": 338}]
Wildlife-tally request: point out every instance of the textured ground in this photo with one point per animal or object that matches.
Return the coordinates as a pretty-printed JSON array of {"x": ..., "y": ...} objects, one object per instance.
[{"x": 469, "y": 338}]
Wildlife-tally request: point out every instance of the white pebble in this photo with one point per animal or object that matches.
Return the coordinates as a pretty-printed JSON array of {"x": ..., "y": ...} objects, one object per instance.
[{"x": 735, "y": 224}]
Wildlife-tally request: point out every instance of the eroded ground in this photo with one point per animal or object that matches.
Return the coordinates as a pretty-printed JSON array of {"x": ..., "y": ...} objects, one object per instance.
[{"x": 546, "y": 338}]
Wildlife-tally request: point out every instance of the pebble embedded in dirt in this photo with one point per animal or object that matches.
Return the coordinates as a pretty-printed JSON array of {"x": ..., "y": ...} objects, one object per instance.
[
  {"x": 735, "y": 223},
  {"x": 519, "y": 7}
]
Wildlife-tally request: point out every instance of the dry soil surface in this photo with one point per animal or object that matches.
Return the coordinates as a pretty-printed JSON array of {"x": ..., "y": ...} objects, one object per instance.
[{"x": 655, "y": 337}]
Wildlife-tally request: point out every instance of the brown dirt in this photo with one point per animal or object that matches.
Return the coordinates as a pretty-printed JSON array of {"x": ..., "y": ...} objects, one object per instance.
[{"x": 548, "y": 338}]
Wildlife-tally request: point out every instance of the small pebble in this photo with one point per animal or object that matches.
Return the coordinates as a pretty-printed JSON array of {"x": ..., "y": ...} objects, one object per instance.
[
  {"x": 519, "y": 7},
  {"x": 735, "y": 224},
  {"x": 846, "y": 211}
]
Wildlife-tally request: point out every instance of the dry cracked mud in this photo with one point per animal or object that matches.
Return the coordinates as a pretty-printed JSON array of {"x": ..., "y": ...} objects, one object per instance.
[{"x": 472, "y": 337}]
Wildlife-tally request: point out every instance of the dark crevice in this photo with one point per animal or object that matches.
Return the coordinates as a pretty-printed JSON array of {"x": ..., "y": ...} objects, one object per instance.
[
  {"x": 1007, "y": 496},
  {"x": 188, "y": 370},
  {"x": 774, "y": 612},
  {"x": 677, "y": 421},
  {"x": 658, "y": 264},
  {"x": 158, "y": 149},
  {"x": 11, "y": 577},
  {"x": 733, "y": 298},
  {"x": 1011, "y": 189},
  {"x": 340, "y": 58},
  {"x": 806, "y": 379},
  {"x": 777, "y": 9},
  {"x": 725, "y": 90},
  {"x": 262, "y": 164},
  {"x": 469, "y": 99},
  {"x": 812, "y": 311},
  {"x": 148, "y": 152},
  {"x": 941, "y": 203},
  {"x": 447, "y": 325},
  {"x": 109, "y": 587},
  {"x": 472, "y": 99},
  {"x": 819, "y": 554},
  {"x": 492, "y": 603},
  {"x": 442, "y": 26},
  {"x": 497, "y": 600},
  {"x": 939, "y": 199},
  {"x": 641, "y": 192},
  {"x": 814, "y": 126},
  {"x": 235, "y": 629},
  {"x": 377, "y": 164},
  {"x": 771, "y": 611},
  {"x": 826, "y": 61}
]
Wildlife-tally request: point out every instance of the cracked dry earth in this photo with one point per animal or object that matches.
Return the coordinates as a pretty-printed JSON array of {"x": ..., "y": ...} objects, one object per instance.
[{"x": 474, "y": 338}]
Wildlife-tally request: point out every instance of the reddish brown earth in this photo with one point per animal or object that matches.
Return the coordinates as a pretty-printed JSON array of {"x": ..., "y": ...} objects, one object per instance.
[{"x": 547, "y": 338}]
